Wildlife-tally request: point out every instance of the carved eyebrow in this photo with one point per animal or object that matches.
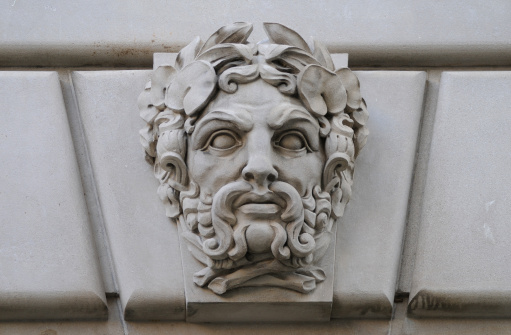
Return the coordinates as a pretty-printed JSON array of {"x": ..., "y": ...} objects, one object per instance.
[
  {"x": 220, "y": 119},
  {"x": 284, "y": 113},
  {"x": 296, "y": 117},
  {"x": 241, "y": 118}
]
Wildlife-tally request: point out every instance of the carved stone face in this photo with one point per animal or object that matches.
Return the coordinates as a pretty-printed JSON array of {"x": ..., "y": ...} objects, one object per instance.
[
  {"x": 254, "y": 147},
  {"x": 260, "y": 136}
]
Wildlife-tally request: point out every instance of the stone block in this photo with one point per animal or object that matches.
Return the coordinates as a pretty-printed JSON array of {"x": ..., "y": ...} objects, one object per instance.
[
  {"x": 370, "y": 234},
  {"x": 254, "y": 304},
  {"x": 144, "y": 243},
  {"x": 48, "y": 265},
  {"x": 112, "y": 326},
  {"x": 338, "y": 327},
  {"x": 463, "y": 262},
  {"x": 402, "y": 324}
]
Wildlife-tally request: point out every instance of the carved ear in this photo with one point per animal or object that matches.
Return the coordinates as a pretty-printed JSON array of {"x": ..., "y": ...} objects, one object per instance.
[
  {"x": 192, "y": 88},
  {"x": 336, "y": 163},
  {"x": 171, "y": 150},
  {"x": 175, "y": 165},
  {"x": 280, "y": 34},
  {"x": 237, "y": 32},
  {"x": 321, "y": 90},
  {"x": 188, "y": 53}
]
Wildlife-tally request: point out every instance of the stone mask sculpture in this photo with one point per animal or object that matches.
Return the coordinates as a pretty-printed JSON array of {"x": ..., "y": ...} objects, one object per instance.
[{"x": 254, "y": 147}]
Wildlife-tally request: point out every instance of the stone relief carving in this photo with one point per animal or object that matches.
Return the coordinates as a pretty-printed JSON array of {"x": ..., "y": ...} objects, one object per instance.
[{"x": 254, "y": 147}]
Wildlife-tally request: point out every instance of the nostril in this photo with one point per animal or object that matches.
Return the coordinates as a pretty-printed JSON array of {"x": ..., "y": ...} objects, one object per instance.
[
  {"x": 272, "y": 178},
  {"x": 249, "y": 176}
]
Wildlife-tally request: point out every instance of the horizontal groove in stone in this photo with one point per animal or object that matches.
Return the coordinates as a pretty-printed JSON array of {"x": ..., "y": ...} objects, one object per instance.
[
  {"x": 140, "y": 56},
  {"x": 390, "y": 33}
]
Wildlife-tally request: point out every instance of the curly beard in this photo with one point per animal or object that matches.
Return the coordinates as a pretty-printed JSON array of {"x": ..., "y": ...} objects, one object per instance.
[{"x": 238, "y": 227}]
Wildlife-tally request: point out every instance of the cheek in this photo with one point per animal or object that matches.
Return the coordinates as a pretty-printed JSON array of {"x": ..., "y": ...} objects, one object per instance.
[
  {"x": 211, "y": 172},
  {"x": 302, "y": 172}
]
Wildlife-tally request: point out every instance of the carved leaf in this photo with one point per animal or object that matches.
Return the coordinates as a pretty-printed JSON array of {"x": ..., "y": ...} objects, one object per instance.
[
  {"x": 237, "y": 32},
  {"x": 286, "y": 58},
  {"x": 352, "y": 85},
  {"x": 221, "y": 54},
  {"x": 188, "y": 53},
  {"x": 147, "y": 111},
  {"x": 160, "y": 79},
  {"x": 148, "y": 140},
  {"x": 192, "y": 88},
  {"x": 321, "y": 90},
  {"x": 323, "y": 56},
  {"x": 280, "y": 34}
]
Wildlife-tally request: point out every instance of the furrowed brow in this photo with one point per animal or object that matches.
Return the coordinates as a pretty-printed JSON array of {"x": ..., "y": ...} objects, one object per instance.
[
  {"x": 288, "y": 112},
  {"x": 215, "y": 120},
  {"x": 241, "y": 118}
]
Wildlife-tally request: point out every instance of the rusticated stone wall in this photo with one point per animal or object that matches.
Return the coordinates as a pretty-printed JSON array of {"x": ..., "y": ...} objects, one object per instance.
[{"x": 423, "y": 248}]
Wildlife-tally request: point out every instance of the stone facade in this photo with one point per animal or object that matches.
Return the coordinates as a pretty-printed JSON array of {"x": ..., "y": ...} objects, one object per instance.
[{"x": 423, "y": 247}]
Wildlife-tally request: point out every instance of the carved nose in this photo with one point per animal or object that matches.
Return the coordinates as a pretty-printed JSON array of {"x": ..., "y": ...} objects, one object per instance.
[{"x": 259, "y": 171}]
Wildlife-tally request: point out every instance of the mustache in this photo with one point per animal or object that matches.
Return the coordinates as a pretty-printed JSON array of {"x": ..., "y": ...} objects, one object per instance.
[{"x": 288, "y": 243}]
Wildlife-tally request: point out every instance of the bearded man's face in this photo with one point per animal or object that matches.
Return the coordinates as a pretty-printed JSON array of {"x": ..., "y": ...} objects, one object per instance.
[{"x": 258, "y": 152}]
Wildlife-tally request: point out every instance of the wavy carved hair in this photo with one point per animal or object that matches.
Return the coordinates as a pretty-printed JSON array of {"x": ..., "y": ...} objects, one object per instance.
[{"x": 176, "y": 95}]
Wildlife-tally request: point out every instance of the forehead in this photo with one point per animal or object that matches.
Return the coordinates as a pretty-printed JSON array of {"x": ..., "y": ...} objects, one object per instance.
[{"x": 259, "y": 100}]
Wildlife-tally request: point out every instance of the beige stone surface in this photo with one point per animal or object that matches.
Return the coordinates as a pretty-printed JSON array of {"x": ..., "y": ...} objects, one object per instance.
[
  {"x": 463, "y": 262},
  {"x": 89, "y": 187},
  {"x": 112, "y": 326},
  {"x": 48, "y": 265},
  {"x": 96, "y": 32},
  {"x": 419, "y": 181},
  {"x": 144, "y": 243},
  {"x": 402, "y": 324},
  {"x": 369, "y": 236},
  {"x": 337, "y": 327}
]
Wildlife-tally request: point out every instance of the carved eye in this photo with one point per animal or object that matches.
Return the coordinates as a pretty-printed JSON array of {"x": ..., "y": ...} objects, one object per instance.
[
  {"x": 293, "y": 141},
  {"x": 223, "y": 140}
]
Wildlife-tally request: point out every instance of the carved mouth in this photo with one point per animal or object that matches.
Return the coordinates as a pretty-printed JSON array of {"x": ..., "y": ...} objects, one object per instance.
[
  {"x": 260, "y": 209},
  {"x": 264, "y": 205}
]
